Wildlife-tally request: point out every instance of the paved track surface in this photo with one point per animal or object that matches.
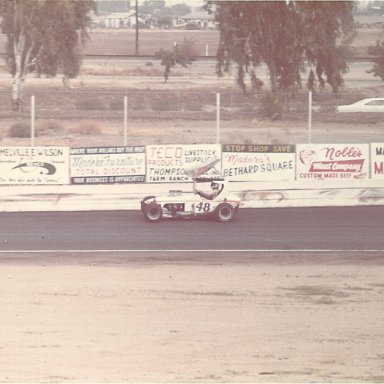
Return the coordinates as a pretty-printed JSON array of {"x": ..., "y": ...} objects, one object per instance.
[
  {"x": 100, "y": 297},
  {"x": 337, "y": 228}
]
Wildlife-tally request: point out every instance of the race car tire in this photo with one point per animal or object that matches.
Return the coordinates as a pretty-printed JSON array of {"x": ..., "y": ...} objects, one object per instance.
[
  {"x": 143, "y": 204},
  {"x": 153, "y": 212},
  {"x": 224, "y": 213}
]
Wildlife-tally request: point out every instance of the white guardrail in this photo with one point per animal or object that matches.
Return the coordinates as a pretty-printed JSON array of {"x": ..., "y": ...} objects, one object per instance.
[
  {"x": 128, "y": 196},
  {"x": 117, "y": 178}
]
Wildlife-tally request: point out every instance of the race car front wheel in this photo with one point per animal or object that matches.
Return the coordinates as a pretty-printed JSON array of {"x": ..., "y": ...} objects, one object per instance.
[
  {"x": 153, "y": 212},
  {"x": 224, "y": 212}
]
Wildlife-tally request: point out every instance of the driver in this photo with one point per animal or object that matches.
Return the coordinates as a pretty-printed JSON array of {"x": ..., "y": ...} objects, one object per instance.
[{"x": 212, "y": 195}]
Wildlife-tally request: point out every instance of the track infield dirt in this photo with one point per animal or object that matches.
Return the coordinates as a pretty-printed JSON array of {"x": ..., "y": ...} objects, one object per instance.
[{"x": 177, "y": 318}]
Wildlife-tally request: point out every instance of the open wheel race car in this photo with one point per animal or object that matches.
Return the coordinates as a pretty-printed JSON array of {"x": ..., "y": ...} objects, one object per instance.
[{"x": 218, "y": 204}]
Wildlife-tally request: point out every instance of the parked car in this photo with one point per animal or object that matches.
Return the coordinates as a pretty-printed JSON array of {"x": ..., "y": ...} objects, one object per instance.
[
  {"x": 374, "y": 104},
  {"x": 218, "y": 203}
]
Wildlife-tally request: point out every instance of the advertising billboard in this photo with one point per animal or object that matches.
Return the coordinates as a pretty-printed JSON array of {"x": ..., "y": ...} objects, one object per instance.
[
  {"x": 168, "y": 163},
  {"x": 242, "y": 162},
  {"x": 107, "y": 165},
  {"x": 332, "y": 161},
  {"x": 34, "y": 165}
]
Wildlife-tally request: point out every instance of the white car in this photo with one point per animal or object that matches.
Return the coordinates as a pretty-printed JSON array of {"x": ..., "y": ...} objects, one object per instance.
[
  {"x": 220, "y": 205},
  {"x": 374, "y": 104}
]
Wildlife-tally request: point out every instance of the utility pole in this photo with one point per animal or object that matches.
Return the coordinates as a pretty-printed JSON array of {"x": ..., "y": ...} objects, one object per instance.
[{"x": 137, "y": 27}]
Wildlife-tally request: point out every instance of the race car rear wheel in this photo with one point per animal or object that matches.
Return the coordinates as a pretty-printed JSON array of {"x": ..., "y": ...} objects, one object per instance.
[
  {"x": 224, "y": 212},
  {"x": 143, "y": 202},
  {"x": 153, "y": 212}
]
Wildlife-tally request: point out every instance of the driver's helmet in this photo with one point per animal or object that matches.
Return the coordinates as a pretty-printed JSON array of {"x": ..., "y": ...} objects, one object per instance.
[{"x": 215, "y": 186}]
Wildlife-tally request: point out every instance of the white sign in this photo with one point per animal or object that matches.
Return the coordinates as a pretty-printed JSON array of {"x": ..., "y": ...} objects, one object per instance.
[
  {"x": 242, "y": 162},
  {"x": 34, "y": 165},
  {"x": 108, "y": 165},
  {"x": 377, "y": 161},
  {"x": 332, "y": 161},
  {"x": 167, "y": 163}
]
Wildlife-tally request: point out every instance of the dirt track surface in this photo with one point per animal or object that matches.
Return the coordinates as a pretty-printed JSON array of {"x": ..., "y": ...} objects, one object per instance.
[{"x": 146, "y": 317}]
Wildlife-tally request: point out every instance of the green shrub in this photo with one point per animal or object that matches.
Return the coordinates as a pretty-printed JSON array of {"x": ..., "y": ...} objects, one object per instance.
[
  {"x": 20, "y": 129},
  {"x": 49, "y": 125}
]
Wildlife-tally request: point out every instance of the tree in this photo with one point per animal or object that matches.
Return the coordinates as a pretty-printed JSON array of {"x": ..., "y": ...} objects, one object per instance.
[
  {"x": 164, "y": 18},
  {"x": 377, "y": 51},
  {"x": 109, "y": 6},
  {"x": 44, "y": 36},
  {"x": 285, "y": 35},
  {"x": 152, "y": 7},
  {"x": 183, "y": 54},
  {"x": 180, "y": 9}
]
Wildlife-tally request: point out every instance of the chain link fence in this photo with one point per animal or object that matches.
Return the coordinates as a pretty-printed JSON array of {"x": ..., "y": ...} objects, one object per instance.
[{"x": 260, "y": 117}]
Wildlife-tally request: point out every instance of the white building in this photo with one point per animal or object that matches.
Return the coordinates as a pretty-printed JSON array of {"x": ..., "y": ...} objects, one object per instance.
[
  {"x": 199, "y": 20},
  {"x": 122, "y": 20}
]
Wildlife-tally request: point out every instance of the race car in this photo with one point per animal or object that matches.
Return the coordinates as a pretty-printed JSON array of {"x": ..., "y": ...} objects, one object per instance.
[{"x": 218, "y": 204}]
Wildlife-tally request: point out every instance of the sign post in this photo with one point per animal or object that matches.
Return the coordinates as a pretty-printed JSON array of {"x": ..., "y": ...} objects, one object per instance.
[
  {"x": 32, "y": 121},
  {"x": 217, "y": 118},
  {"x": 309, "y": 117},
  {"x": 125, "y": 120}
]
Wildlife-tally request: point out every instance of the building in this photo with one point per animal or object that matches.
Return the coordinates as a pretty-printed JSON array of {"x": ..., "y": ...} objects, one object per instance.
[
  {"x": 197, "y": 20},
  {"x": 122, "y": 20}
]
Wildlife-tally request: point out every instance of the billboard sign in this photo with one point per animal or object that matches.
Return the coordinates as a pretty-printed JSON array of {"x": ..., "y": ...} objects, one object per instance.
[
  {"x": 168, "y": 163},
  {"x": 377, "y": 161},
  {"x": 332, "y": 161},
  {"x": 107, "y": 165},
  {"x": 34, "y": 165},
  {"x": 241, "y": 162}
]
